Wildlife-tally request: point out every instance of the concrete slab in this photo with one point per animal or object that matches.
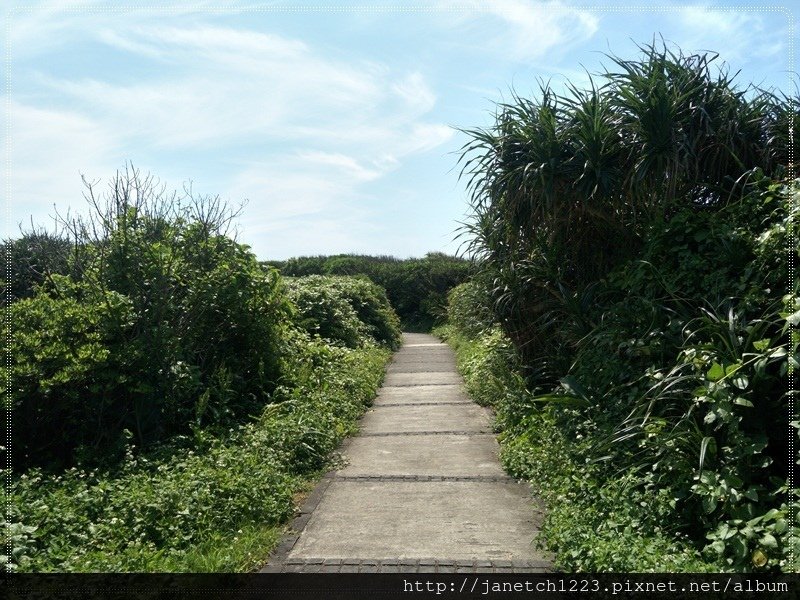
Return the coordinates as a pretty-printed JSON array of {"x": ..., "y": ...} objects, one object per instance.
[
  {"x": 433, "y": 347},
  {"x": 411, "y": 418},
  {"x": 417, "y": 338},
  {"x": 420, "y": 367},
  {"x": 446, "y": 455},
  {"x": 421, "y": 353},
  {"x": 425, "y": 359},
  {"x": 427, "y": 356},
  {"x": 422, "y": 378},
  {"x": 400, "y": 520},
  {"x": 411, "y": 359},
  {"x": 421, "y": 393}
]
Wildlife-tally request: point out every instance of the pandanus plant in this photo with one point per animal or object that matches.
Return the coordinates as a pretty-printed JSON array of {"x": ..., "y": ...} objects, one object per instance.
[{"x": 564, "y": 186}]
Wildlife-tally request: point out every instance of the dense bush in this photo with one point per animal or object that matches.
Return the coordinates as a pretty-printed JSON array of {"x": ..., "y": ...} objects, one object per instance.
[
  {"x": 689, "y": 385},
  {"x": 69, "y": 378},
  {"x": 590, "y": 525},
  {"x": 163, "y": 325},
  {"x": 468, "y": 308},
  {"x": 416, "y": 287},
  {"x": 190, "y": 396},
  {"x": 634, "y": 243},
  {"x": 661, "y": 446},
  {"x": 349, "y": 310},
  {"x": 30, "y": 260}
]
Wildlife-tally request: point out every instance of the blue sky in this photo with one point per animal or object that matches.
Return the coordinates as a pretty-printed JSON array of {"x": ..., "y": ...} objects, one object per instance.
[{"x": 338, "y": 125}]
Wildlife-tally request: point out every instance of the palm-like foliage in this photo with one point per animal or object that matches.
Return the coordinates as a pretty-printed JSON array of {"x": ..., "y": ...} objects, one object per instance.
[{"x": 563, "y": 187}]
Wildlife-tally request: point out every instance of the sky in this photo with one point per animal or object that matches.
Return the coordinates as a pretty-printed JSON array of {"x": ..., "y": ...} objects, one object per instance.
[{"x": 338, "y": 126}]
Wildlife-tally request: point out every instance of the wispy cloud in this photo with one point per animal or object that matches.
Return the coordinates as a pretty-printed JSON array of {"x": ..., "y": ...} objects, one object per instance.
[
  {"x": 224, "y": 84},
  {"x": 291, "y": 211},
  {"x": 523, "y": 29},
  {"x": 316, "y": 129},
  {"x": 36, "y": 28},
  {"x": 230, "y": 83},
  {"x": 736, "y": 35},
  {"x": 341, "y": 163},
  {"x": 50, "y": 149},
  {"x": 327, "y": 122}
]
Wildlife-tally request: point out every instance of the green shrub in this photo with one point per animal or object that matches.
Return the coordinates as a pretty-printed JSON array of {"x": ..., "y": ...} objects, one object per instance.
[
  {"x": 658, "y": 448},
  {"x": 30, "y": 261},
  {"x": 687, "y": 375},
  {"x": 634, "y": 241},
  {"x": 164, "y": 324},
  {"x": 589, "y": 525},
  {"x": 416, "y": 287},
  {"x": 139, "y": 368},
  {"x": 469, "y": 308},
  {"x": 349, "y": 310},
  {"x": 69, "y": 374},
  {"x": 567, "y": 187}
]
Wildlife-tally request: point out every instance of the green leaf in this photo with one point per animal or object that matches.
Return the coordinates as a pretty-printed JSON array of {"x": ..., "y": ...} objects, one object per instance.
[
  {"x": 768, "y": 541},
  {"x": 708, "y": 478},
  {"x": 794, "y": 318},
  {"x": 716, "y": 372},
  {"x": 560, "y": 399},
  {"x": 762, "y": 345},
  {"x": 740, "y": 381},
  {"x": 739, "y": 547},
  {"x": 708, "y": 442},
  {"x": 733, "y": 481},
  {"x": 751, "y": 494},
  {"x": 573, "y": 387}
]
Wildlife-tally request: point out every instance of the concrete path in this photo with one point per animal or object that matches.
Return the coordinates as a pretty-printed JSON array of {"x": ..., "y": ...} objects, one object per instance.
[{"x": 422, "y": 489}]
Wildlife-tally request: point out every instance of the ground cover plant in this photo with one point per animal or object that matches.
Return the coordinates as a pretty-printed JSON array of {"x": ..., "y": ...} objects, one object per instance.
[
  {"x": 169, "y": 398},
  {"x": 632, "y": 319},
  {"x": 215, "y": 502}
]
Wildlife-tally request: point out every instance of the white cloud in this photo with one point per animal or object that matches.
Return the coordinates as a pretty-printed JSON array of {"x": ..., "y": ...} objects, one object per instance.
[
  {"x": 49, "y": 152},
  {"x": 541, "y": 27},
  {"x": 346, "y": 165},
  {"x": 415, "y": 92},
  {"x": 224, "y": 84},
  {"x": 290, "y": 210},
  {"x": 736, "y": 35},
  {"x": 112, "y": 38},
  {"x": 523, "y": 29},
  {"x": 233, "y": 43},
  {"x": 35, "y": 30},
  {"x": 316, "y": 128},
  {"x": 38, "y": 28},
  {"x": 228, "y": 84}
]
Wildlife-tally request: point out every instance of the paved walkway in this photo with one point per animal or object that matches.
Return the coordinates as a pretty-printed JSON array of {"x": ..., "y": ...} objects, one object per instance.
[{"x": 423, "y": 490}]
